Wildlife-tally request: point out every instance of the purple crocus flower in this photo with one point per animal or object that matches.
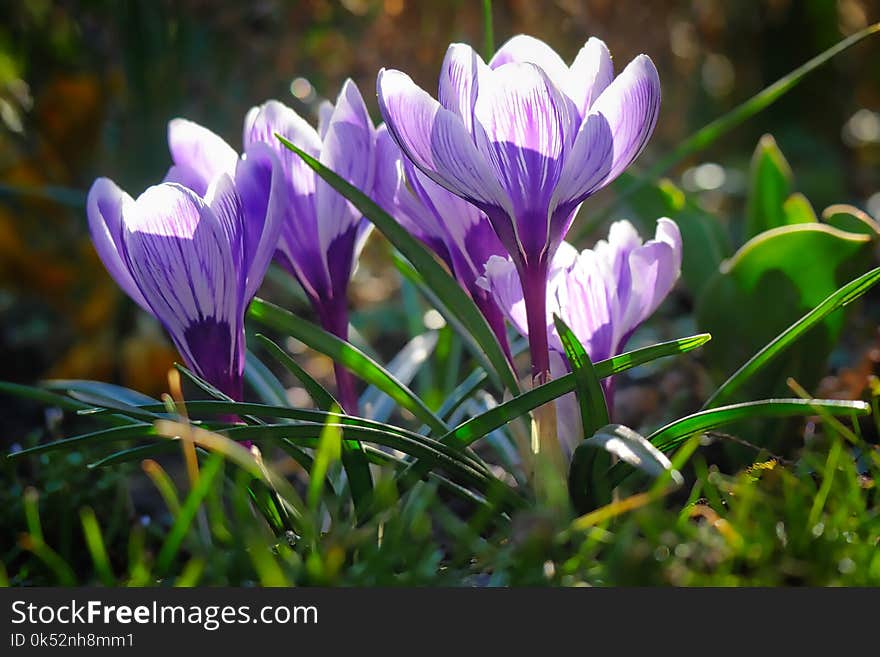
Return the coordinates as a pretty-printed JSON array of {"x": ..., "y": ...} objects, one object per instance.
[
  {"x": 323, "y": 233},
  {"x": 603, "y": 294},
  {"x": 455, "y": 230},
  {"x": 194, "y": 256},
  {"x": 525, "y": 139}
]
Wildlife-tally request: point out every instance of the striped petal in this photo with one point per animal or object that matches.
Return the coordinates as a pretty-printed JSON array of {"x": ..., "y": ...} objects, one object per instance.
[
  {"x": 437, "y": 141},
  {"x": 524, "y": 124},
  {"x": 180, "y": 257},
  {"x": 611, "y": 136},
  {"x": 199, "y": 155},
  {"x": 104, "y": 210},
  {"x": 348, "y": 150}
]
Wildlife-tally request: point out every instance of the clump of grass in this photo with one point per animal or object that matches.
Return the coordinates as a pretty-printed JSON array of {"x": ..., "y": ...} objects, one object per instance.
[{"x": 813, "y": 521}]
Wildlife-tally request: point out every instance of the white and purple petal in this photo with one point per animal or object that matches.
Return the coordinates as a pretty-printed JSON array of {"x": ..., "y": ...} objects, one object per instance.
[
  {"x": 437, "y": 141},
  {"x": 104, "y": 210},
  {"x": 348, "y": 150},
  {"x": 180, "y": 257},
  {"x": 523, "y": 132},
  {"x": 260, "y": 184},
  {"x": 460, "y": 80},
  {"x": 199, "y": 155},
  {"x": 591, "y": 72}
]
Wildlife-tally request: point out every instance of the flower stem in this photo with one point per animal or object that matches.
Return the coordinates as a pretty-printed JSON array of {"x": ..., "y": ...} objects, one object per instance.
[
  {"x": 534, "y": 286},
  {"x": 546, "y": 449},
  {"x": 334, "y": 319}
]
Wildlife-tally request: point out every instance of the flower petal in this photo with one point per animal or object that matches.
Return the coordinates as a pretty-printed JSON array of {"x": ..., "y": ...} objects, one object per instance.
[
  {"x": 261, "y": 125},
  {"x": 180, "y": 256},
  {"x": 580, "y": 295},
  {"x": 524, "y": 122},
  {"x": 569, "y": 427},
  {"x": 437, "y": 141},
  {"x": 523, "y": 48},
  {"x": 630, "y": 104},
  {"x": 612, "y": 135},
  {"x": 259, "y": 182},
  {"x": 104, "y": 209},
  {"x": 459, "y": 82},
  {"x": 654, "y": 269},
  {"x": 325, "y": 111},
  {"x": 591, "y": 72},
  {"x": 348, "y": 150},
  {"x": 299, "y": 247},
  {"x": 502, "y": 281},
  {"x": 199, "y": 154}
]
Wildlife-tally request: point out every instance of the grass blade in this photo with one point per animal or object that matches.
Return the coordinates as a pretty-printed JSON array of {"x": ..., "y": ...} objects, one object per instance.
[
  {"x": 60, "y": 401},
  {"x": 96, "y": 547},
  {"x": 346, "y": 354},
  {"x": 435, "y": 454},
  {"x": 477, "y": 427},
  {"x": 376, "y": 404},
  {"x": 835, "y": 301},
  {"x": 328, "y": 452},
  {"x": 188, "y": 512},
  {"x": 446, "y": 287},
  {"x": 319, "y": 394},
  {"x": 674, "y": 433},
  {"x": 410, "y": 274},
  {"x": 596, "y": 480},
  {"x": 590, "y": 396},
  {"x": 262, "y": 381},
  {"x": 127, "y": 432}
]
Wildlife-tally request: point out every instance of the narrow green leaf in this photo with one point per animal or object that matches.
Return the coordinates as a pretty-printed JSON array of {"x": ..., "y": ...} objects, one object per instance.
[
  {"x": 481, "y": 425},
  {"x": 184, "y": 520},
  {"x": 60, "y": 401},
  {"x": 446, "y": 287},
  {"x": 127, "y": 432},
  {"x": 410, "y": 274},
  {"x": 591, "y": 397},
  {"x": 633, "y": 448},
  {"x": 584, "y": 474},
  {"x": 319, "y": 394},
  {"x": 328, "y": 452},
  {"x": 674, "y": 433},
  {"x": 455, "y": 462},
  {"x": 123, "y": 395},
  {"x": 96, "y": 547},
  {"x": 473, "y": 382},
  {"x": 136, "y": 454},
  {"x": 376, "y": 404},
  {"x": 594, "y": 478},
  {"x": 835, "y": 301},
  {"x": 477, "y": 427},
  {"x": 262, "y": 381},
  {"x": 346, "y": 354},
  {"x": 201, "y": 384}
]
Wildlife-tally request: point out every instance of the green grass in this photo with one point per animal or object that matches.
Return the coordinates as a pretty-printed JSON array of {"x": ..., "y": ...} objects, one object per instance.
[{"x": 813, "y": 521}]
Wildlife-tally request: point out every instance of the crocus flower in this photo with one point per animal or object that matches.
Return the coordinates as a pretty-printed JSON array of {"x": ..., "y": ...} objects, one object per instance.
[
  {"x": 452, "y": 228},
  {"x": 322, "y": 233},
  {"x": 603, "y": 294},
  {"x": 194, "y": 258},
  {"x": 525, "y": 139}
]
